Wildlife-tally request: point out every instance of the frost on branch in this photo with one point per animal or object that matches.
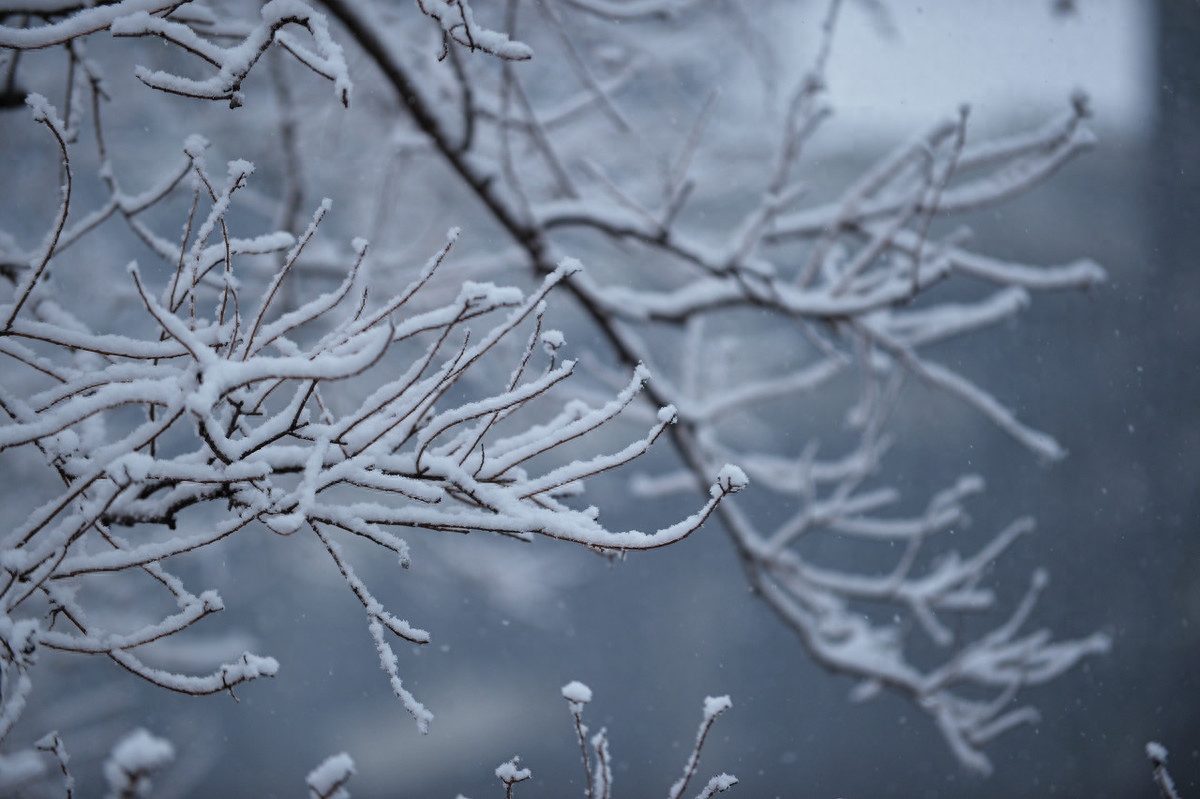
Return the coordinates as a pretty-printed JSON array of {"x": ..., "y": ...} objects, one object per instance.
[
  {"x": 510, "y": 773},
  {"x": 234, "y": 63},
  {"x": 232, "y": 388},
  {"x": 458, "y": 23},
  {"x": 844, "y": 296},
  {"x": 186, "y": 28},
  {"x": 340, "y": 418},
  {"x": 598, "y": 778}
]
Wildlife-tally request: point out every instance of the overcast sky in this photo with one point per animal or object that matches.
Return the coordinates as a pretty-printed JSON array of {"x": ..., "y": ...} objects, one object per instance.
[{"x": 1001, "y": 56}]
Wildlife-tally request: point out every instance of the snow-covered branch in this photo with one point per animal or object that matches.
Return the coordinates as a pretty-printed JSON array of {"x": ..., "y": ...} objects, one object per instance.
[
  {"x": 234, "y": 63},
  {"x": 597, "y": 770},
  {"x": 179, "y": 439},
  {"x": 234, "y": 397},
  {"x": 457, "y": 20}
]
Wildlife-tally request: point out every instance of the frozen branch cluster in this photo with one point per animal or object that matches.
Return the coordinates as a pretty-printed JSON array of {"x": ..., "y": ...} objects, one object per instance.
[
  {"x": 234, "y": 408},
  {"x": 328, "y": 780},
  {"x": 219, "y": 417},
  {"x": 597, "y": 769}
]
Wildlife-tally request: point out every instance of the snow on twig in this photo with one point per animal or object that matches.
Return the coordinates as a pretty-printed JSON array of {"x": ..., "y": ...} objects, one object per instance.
[
  {"x": 82, "y": 22},
  {"x": 249, "y": 431},
  {"x": 328, "y": 780},
  {"x": 598, "y": 778},
  {"x": 1157, "y": 753},
  {"x": 457, "y": 20},
  {"x": 234, "y": 63},
  {"x": 133, "y": 759},
  {"x": 356, "y": 414}
]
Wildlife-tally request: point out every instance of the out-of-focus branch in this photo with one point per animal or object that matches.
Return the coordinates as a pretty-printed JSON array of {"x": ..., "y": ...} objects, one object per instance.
[{"x": 1162, "y": 778}]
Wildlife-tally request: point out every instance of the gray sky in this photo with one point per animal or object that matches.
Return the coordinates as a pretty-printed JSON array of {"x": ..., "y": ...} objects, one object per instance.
[{"x": 1004, "y": 57}]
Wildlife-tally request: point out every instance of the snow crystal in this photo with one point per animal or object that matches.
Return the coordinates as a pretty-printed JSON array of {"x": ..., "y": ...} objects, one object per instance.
[
  {"x": 577, "y": 692},
  {"x": 668, "y": 414},
  {"x": 1156, "y": 752}
]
